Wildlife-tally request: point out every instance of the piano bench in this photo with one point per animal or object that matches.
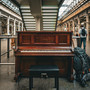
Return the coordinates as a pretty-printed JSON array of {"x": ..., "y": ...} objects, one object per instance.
[{"x": 44, "y": 71}]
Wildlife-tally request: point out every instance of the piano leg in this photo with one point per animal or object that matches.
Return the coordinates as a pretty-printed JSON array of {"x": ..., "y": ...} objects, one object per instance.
[
  {"x": 17, "y": 69},
  {"x": 70, "y": 69},
  {"x": 17, "y": 77}
]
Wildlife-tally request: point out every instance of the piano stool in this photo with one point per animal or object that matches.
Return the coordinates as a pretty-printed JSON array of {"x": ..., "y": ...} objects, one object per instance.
[{"x": 44, "y": 71}]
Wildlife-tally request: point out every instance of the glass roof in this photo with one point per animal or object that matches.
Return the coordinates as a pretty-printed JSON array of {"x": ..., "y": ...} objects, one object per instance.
[
  {"x": 11, "y": 5},
  {"x": 66, "y": 6}
]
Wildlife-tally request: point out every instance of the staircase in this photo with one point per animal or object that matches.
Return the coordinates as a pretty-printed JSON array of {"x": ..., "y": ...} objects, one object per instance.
[
  {"x": 49, "y": 15},
  {"x": 39, "y": 14},
  {"x": 28, "y": 19}
]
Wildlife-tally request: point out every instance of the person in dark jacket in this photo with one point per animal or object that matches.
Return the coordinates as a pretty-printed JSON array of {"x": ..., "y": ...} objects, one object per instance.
[{"x": 83, "y": 35}]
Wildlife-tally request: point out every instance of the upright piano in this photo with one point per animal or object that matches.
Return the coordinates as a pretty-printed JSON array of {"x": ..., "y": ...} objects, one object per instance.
[{"x": 44, "y": 48}]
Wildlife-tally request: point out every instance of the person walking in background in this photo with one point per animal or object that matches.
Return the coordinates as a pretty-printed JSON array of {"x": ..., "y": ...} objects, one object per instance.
[{"x": 83, "y": 35}]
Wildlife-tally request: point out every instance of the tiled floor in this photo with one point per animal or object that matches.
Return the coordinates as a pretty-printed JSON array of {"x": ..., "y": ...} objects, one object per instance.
[{"x": 7, "y": 73}]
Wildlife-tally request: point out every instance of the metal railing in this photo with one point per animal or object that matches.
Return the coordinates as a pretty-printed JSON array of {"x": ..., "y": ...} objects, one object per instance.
[{"x": 8, "y": 48}]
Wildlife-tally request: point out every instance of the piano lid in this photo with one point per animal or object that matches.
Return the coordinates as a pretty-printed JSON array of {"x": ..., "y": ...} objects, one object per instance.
[{"x": 43, "y": 38}]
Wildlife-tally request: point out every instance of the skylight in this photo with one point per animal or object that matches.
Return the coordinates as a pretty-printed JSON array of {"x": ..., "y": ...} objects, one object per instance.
[{"x": 66, "y": 6}]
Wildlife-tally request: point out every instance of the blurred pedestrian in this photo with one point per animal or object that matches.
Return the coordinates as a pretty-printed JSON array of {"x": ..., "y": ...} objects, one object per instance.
[{"x": 83, "y": 35}]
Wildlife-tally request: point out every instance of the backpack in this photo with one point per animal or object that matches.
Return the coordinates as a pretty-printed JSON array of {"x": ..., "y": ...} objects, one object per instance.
[
  {"x": 81, "y": 66},
  {"x": 81, "y": 60},
  {"x": 83, "y": 32}
]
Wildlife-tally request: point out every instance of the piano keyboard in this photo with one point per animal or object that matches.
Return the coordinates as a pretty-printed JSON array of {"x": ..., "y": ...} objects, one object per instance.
[{"x": 42, "y": 51}]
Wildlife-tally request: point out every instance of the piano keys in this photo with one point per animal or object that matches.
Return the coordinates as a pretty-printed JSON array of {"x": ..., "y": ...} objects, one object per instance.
[
  {"x": 44, "y": 48},
  {"x": 45, "y": 51}
]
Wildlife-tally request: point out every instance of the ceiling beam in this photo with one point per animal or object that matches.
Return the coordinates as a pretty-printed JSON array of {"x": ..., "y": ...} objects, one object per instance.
[{"x": 35, "y": 6}]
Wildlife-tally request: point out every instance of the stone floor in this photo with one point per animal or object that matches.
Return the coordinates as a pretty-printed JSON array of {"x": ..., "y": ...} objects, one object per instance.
[{"x": 7, "y": 73}]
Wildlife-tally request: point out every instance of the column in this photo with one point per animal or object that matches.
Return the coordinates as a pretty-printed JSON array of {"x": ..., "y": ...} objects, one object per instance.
[
  {"x": 78, "y": 24},
  {"x": 22, "y": 26},
  {"x": 37, "y": 24},
  {"x": 14, "y": 26},
  {"x": 65, "y": 26},
  {"x": 87, "y": 26},
  {"x": 61, "y": 28},
  {"x": 69, "y": 26},
  {"x": 0, "y": 25},
  {"x": 73, "y": 24},
  {"x": 19, "y": 26},
  {"x": 58, "y": 28},
  {"x": 8, "y": 21},
  {"x": 0, "y": 50}
]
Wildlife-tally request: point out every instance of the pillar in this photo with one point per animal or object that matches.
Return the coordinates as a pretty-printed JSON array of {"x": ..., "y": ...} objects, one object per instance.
[
  {"x": 0, "y": 25},
  {"x": 19, "y": 26},
  {"x": 78, "y": 24},
  {"x": 8, "y": 22},
  {"x": 73, "y": 24},
  {"x": 69, "y": 26},
  {"x": 39, "y": 25},
  {"x": 22, "y": 26},
  {"x": 14, "y": 26},
  {"x": 87, "y": 26},
  {"x": 62, "y": 27},
  {"x": 58, "y": 28}
]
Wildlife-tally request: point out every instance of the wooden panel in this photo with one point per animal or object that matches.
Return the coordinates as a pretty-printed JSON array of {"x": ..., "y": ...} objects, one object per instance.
[
  {"x": 64, "y": 39},
  {"x": 25, "y": 39},
  {"x": 44, "y": 39},
  {"x": 24, "y": 64}
]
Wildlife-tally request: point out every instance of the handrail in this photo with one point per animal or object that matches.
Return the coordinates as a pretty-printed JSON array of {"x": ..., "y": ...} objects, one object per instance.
[{"x": 8, "y": 44}]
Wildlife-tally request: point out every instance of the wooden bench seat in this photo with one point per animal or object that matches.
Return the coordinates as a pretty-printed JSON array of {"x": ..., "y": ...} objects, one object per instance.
[{"x": 44, "y": 71}]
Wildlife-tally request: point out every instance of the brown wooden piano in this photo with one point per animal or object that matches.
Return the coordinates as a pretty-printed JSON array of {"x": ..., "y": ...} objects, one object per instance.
[{"x": 44, "y": 48}]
